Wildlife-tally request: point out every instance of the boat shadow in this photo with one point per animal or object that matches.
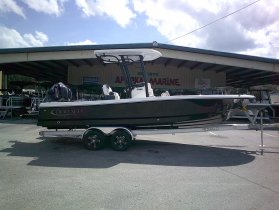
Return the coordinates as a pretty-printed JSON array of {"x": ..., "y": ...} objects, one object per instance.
[
  {"x": 72, "y": 154},
  {"x": 18, "y": 121}
]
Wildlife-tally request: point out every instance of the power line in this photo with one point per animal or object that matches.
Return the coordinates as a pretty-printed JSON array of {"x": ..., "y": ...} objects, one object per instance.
[{"x": 210, "y": 23}]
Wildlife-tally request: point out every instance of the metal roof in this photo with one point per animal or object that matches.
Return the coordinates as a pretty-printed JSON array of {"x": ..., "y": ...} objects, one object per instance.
[{"x": 56, "y": 69}]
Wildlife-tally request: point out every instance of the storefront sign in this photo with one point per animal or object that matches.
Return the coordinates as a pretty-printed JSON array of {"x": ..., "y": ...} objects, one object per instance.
[{"x": 152, "y": 80}]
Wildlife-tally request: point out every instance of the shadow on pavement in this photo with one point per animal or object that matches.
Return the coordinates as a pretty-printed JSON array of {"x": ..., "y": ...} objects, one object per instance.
[
  {"x": 18, "y": 121},
  {"x": 72, "y": 154}
]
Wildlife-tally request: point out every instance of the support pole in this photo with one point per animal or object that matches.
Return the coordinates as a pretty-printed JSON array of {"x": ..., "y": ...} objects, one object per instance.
[
  {"x": 261, "y": 126},
  {"x": 144, "y": 76},
  {"x": 1, "y": 79}
]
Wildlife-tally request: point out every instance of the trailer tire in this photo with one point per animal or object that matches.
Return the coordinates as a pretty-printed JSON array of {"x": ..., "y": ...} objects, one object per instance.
[
  {"x": 120, "y": 139},
  {"x": 94, "y": 139}
]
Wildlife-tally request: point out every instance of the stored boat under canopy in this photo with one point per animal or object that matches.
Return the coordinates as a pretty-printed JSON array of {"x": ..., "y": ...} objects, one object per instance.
[{"x": 141, "y": 109}]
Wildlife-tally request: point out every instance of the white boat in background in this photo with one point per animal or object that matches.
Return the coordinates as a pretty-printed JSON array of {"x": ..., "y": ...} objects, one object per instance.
[{"x": 274, "y": 98}]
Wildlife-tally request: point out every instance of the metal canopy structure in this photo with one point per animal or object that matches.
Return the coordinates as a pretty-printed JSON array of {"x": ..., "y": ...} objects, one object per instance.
[
  {"x": 235, "y": 76},
  {"x": 50, "y": 70},
  {"x": 51, "y": 63}
]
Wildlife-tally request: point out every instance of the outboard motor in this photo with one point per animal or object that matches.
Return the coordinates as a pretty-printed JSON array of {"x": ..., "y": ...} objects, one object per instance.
[{"x": 59, "y": 92}]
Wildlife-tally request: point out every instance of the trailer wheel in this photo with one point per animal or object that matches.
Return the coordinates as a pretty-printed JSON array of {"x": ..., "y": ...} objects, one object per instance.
[
  {"x": 94, "y": 139},
  {"x": 120, "y": 139}
]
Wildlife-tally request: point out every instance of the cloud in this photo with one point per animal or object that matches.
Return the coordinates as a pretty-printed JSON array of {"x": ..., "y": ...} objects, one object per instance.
[
  {"x": 170, "y": 21},
  {"x": 259, "y": 15},
  {"x": 229, "y": 37},
  {"x": 50, "y": 7},
  {"x": 261, "y": 23},
  {"x": 85, "y": 42},
  {"x": 250, "y": 30},
  {"x": 10, "y": 38},
  {"x": 266, "y": 40},
  {"x": 11, "y": 6},
  {"x": 117, "y": 10}
]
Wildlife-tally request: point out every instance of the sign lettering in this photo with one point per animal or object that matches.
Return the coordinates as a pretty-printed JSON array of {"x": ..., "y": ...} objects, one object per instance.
[{"x": 153, "y": 81}]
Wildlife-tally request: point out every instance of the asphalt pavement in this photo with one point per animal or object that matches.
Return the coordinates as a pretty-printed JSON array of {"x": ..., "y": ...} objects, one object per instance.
[{"x": 209, "y": 170}]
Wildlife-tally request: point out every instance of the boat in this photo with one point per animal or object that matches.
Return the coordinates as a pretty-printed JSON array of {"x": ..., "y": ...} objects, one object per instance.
[
  {"x": 266, "y": 96},
  {"x": 141, "y": 109}
]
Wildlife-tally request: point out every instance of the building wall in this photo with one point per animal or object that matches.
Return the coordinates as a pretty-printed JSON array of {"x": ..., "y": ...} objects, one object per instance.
[{"x": 161, "y": 77}]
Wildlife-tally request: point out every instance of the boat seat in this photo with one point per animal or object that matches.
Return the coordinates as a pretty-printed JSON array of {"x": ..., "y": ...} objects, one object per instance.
[
  {"x": 166, "y": 93},
  {"x": 139, "y": 91},
  {"x": 109, "y": 94}
]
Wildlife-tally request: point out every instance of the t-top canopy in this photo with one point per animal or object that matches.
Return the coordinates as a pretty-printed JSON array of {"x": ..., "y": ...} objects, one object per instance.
[{"x": 130, "y": 55}]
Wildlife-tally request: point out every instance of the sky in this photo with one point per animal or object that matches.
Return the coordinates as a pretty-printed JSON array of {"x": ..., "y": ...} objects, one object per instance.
[{"x": 38, "y": 23}]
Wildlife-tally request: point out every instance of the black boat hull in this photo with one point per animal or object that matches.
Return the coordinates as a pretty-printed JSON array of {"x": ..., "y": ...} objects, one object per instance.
[{"x": 133, "y": 114}]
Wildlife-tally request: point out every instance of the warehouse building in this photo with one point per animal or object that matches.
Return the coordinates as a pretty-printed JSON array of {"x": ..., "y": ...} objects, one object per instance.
[{"x": 179, "y": 68}]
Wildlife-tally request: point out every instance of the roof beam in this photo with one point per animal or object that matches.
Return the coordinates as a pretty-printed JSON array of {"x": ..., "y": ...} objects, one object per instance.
[
  {"x": 225, "y": 68},
  {"x": 235, "y": 82},
  {"x": 24, "y": 66},
  {"x": 53, "y": 65},
  {"x": 34, "y": 66},
  {"x": 196, "y": 65},
  {"x": 262, "y": 82},
  {"x": 252, "y": 76},
  {"x": 59, "y": 64},
  {"x": 87, "y": 61},
  {"x": 27, "y": 72},
  {"x": 212, "y": 66},
  {"x": 47, "y": 70},
  {"x": 181, "y": 64},
  {"x": 255, "y": 74},
  {"x": 73, "y": 63},
  {"x": 33, "y": 63},
  {"x": 167, "y": 62},
  {"x": 152, "y": 62},
  {"x": 21, "y": 69},
  {"x": 245, "y": 83},
  {"x": 234, "y": 69},
  {"x": 242, "y": 72},
  {"x": 256, "y": 79}
]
